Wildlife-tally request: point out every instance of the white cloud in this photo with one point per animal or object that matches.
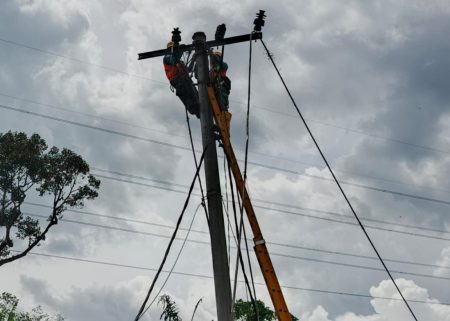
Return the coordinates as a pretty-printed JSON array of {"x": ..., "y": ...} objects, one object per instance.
[
  {"x": 386, "y": 310},
  {"x": 361, "y": 71}
]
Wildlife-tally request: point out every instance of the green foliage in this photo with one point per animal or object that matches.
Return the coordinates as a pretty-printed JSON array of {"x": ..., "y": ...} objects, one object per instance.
[
  {"x": 170, "y": 309},
  {"x": 60, "y": 174},
  {"x": 8, "y": 311},
  {"x": 244, "y": 311},
  {"x": 8, "y": 305}
]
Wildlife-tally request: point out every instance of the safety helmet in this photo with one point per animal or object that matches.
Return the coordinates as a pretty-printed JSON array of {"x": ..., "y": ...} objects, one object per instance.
[
  {"x": 217, "y": 53},
  {"x": 170, "y": 44}
]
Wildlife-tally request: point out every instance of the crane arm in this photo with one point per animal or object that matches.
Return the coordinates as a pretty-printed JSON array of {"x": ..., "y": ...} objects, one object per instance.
[{"x": 260, "y": 248}]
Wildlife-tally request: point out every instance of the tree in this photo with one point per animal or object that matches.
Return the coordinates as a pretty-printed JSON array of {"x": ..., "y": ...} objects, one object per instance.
[
  {"x": 170, "y": 309},
  {"x": 244, "y": 311},
  {"x": 61, "y": 175},
  {"x": 8, "y": 311}
]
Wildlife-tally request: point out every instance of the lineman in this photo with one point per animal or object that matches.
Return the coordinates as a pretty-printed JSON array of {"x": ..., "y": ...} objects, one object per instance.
[
  {"x": 222, "y": 84},
  {"x": 178, "y": 76}
]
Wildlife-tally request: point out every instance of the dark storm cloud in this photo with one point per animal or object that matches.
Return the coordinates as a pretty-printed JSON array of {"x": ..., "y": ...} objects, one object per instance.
[
  {"x": 359, "y": 65},
  {"x": 40, "y": 28}
]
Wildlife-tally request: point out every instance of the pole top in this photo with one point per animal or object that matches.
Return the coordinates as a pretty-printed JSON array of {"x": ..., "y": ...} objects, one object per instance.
[
  {"x": 259, "y": 21},
  {"x": 199, "y": 39},
  {"x": 199, "y": 36}
]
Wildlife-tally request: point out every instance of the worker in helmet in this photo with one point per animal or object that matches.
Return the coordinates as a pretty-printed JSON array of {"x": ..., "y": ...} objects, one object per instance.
[
  {"x": 221, "y": 83},
  {"x": 218, "y": 75},
  {"x": 179, "y": 79}
]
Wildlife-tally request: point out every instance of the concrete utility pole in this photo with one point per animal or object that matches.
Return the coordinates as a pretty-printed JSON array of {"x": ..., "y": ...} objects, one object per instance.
[
  {"x": 214, "y": 196},
  {"x": 213, "y": 193}
]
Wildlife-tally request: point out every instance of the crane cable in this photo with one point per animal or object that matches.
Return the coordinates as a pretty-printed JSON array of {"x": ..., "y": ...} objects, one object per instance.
[
  {"x": 196, "y": 165},
  {"x": 238, "y": 248},
  {"x": 166, "y": 254},
  {"x": 193, "y": 218},
  {"x": 176, "y": 260},
  {"x": 241, "y": 207},
  {"x": 247, "y": 131},
  {"x": 336, "y": 180}
]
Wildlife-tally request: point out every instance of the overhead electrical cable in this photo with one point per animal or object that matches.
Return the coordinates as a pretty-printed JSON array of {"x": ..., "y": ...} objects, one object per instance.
[
  {"x": 73, "y": 111},
  {"x": 241, "y": 205},
  {"x": 323, "y": 218},
  {"x": 364, "y": 218},
  {"x": 110, "y": 131},
  {"x": 253, "y": 152},
  {"x": 166, "y": 254},
  {"x": 337, "y": 182},
  {"x": 82, "y": 260},
  {"x": 160, "y": 82},
  {"x": 293, "y": 246},
  {"x": 196, "y": 165},
  {"x": 311, "y": 216},
  {"x": 275, "y": 254},
  {"x": 239, "y": 260},
  {"x": 352, "y": 130},
  {"x": 84, "y": 62}
]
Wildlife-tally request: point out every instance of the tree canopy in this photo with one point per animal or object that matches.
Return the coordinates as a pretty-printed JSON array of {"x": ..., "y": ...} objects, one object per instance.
[
  {"x": 26, "y": 163},
  {"x": 9, "y": 312},
  {"x": 244, "y": 311}
]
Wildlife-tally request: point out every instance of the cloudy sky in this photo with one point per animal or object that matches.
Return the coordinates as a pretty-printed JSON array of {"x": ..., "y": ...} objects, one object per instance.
[{"x": 372, "y": 79}]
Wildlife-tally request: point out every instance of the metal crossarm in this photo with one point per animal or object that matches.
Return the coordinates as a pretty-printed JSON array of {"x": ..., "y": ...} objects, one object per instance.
[{"x": 209, "y": 44}]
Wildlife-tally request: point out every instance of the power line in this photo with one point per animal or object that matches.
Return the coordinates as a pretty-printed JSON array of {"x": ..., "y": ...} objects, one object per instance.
[
  {"x": 296, "y": 213},
  {"x": 356, "y": 131},
  {"x": 293, "y": 246},
  {"x": 268, "y": 202},
  {"x": 382, "y": 190},
  {"x": 252, "y": 152},
  {"x": 364, "y": 218},
  {"x": 259, "y": 107},
  {"x": 355, "y": 224},
  {"x": 84, "y": 62},
  {"x": 363, "y": 267},
  {"x": 311, "y": 216},
  {"x": 73, "y": 111},
  {"x": 210, "y": 277},
  {"x": 337, "y": 182},
  {"x": 110, "y": 131}
]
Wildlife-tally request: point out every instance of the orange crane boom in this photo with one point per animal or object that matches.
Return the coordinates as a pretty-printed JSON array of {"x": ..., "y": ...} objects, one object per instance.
[{"x": 260, "y": 248}]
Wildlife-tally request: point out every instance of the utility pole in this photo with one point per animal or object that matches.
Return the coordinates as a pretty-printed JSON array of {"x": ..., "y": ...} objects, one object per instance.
[
  {"x": 214, "y": 196},
  {"x": 213, "y": 193}
]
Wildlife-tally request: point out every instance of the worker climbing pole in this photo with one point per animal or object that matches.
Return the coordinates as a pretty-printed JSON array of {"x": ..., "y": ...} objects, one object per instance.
[{"x": 211, "y": 99}]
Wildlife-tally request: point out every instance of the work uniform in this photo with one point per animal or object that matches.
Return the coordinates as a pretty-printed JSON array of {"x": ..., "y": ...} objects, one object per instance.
[
  {"x": 222, "y": 84},
  {"x": 179, "y": 78}
]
